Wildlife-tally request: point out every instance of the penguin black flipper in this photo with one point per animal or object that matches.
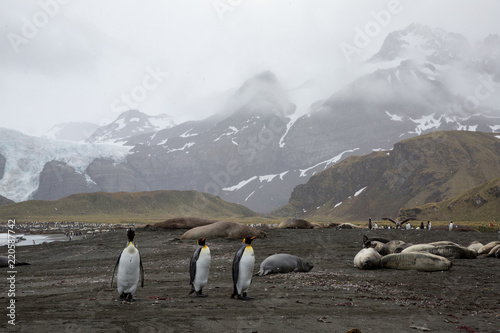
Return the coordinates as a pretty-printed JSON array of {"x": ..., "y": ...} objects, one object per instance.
[
  {"x": 236, "y": 269},
  {"x": 192, "y": 267},
  {"x": 116, "y": 265},
  {"x": 142, "y": 271}
]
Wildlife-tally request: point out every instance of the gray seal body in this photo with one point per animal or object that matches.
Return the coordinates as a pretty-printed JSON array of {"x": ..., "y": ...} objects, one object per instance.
[{"x": 284, "y": 263}]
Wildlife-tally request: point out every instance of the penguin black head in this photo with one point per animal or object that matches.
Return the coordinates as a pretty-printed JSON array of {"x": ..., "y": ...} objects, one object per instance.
[
  {"x": 130, "y": 234},
  {"x": 201, "y": 241},
  {"x": 248, "y": 240}
]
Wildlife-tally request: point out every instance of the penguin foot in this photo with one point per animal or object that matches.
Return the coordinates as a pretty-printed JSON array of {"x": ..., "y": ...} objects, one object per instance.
[
  {"x": 199, "y": 294},
  {"x": 129, "y": 298},
  {"x": 244, "y": 297}
]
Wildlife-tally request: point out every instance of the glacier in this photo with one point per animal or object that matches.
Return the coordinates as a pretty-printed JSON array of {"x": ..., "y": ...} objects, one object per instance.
[{"x": 27, "y": 155}]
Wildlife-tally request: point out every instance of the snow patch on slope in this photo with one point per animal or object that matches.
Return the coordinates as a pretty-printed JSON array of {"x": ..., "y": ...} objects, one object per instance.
[{"x": 303, "y": 172}]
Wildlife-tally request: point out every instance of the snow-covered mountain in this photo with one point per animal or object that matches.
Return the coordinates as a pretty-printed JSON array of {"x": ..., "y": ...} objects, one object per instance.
[
  {"x": 129, "y": 124},
  {"x": 260, "y": 145},
  {"x": 23, "y": 159}
]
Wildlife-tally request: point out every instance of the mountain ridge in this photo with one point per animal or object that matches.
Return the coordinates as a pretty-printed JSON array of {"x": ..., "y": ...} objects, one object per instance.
[{"x": 429, "y": 168}]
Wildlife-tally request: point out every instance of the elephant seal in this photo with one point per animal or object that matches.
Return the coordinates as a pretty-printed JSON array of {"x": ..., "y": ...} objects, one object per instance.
[
  {"x": 420, "y": 261},
  {"x": 487, "y": 248},
  {"x": 401, "y": 247},
  {"x": 367, "y": 240},
  {"x": 223, "y": 229},
  {"x": 4, "y": 262},
  {"x": 418, "y": 248},
  {"x": 452, "y": 251},
  {"x": 182, "y": 223},
  {"x": 367, "y": 259},
  {"x": 391, "y": 246},
  {"x": 295, "y": 224},
  {"x": 475, "y": 245},
  {"x": 443, "y": 243},
  {"x": 346, "y": 226},
  {"x": 376, "y": 245},
  {"x": 284, "y": 263},
  {"x": 492, "y": 252}
]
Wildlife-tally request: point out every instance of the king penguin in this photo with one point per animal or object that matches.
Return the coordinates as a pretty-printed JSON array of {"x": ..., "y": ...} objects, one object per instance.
[
  {"x": 130, "y": 270},
  {"x": 243, "y": 264},
  {"x": 199, "y": 268}
]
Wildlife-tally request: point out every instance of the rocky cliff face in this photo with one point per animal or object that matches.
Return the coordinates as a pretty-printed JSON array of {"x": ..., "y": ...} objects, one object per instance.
[
  {"x": 429, "y": 168},
  {"x": 2, "y": 165},
  {"x": 58, "y": 180}
]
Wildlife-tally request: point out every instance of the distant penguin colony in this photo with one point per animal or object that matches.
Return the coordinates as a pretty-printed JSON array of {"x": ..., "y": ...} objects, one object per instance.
[
  {"x": 243, "y": 264},
  {"x": 199, "y": 268},
  {"x": 130, "y": 270}
]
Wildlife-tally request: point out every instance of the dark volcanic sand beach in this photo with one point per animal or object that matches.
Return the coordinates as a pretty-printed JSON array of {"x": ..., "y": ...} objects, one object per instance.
[{"x": 67, "y": 287}]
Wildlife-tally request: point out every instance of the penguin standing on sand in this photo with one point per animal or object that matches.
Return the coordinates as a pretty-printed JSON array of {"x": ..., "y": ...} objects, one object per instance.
[
  {"x": 199, "y": 268},
  {"x": 450, "y": 226},
  {"x": 130, "y": 270},
  {"x": 243, "y": 264}
]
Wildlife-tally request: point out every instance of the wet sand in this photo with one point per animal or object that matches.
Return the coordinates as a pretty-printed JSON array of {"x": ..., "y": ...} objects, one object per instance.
[{"x": 67, "y": 287}]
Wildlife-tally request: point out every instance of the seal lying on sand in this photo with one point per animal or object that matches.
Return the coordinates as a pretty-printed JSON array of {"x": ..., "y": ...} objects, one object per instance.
[
  {"x": 452, "y": 251},
  {"x": 284, "y": 263},
  {"x": 4, "y": 262},
  {"x": 494, "y": 252},
  {"x": 475, "y": 245},
  {"x": 367, "y": 240},
  {"x": 420, "y": 261},
  {"x": 223, "y": 229},
  {"x": 182, "y": 223},
  {"x": 391, "y": 246},
  {"x": 488, "y": 247},
  {"x": 367, "y": 259},
  {"x": 295, "y": 224}
]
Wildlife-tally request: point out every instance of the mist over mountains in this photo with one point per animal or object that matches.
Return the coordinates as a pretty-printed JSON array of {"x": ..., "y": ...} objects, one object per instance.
[{"x": 261, "y": 145}]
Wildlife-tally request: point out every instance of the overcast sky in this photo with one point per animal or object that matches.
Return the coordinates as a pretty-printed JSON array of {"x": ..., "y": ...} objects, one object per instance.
[{"x": 63, "y": 61}]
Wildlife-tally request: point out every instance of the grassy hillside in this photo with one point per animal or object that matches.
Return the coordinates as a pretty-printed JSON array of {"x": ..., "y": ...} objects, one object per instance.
[
  {"x": 430, "y": 168},
  {"x": 480, "y": 203},
  {"x": 4, "y": 201},
  {"x": 126, "y": 207}
]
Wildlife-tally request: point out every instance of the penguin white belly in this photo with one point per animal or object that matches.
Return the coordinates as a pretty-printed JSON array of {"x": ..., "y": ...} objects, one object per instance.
[
  {"x": 202, "y": 269},
  {"x": 245, "y": 271},
  {"x": 127, "y": 277}
]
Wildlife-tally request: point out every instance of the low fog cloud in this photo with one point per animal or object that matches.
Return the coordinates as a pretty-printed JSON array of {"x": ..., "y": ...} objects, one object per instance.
[{"x": 73, "y": 60}]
